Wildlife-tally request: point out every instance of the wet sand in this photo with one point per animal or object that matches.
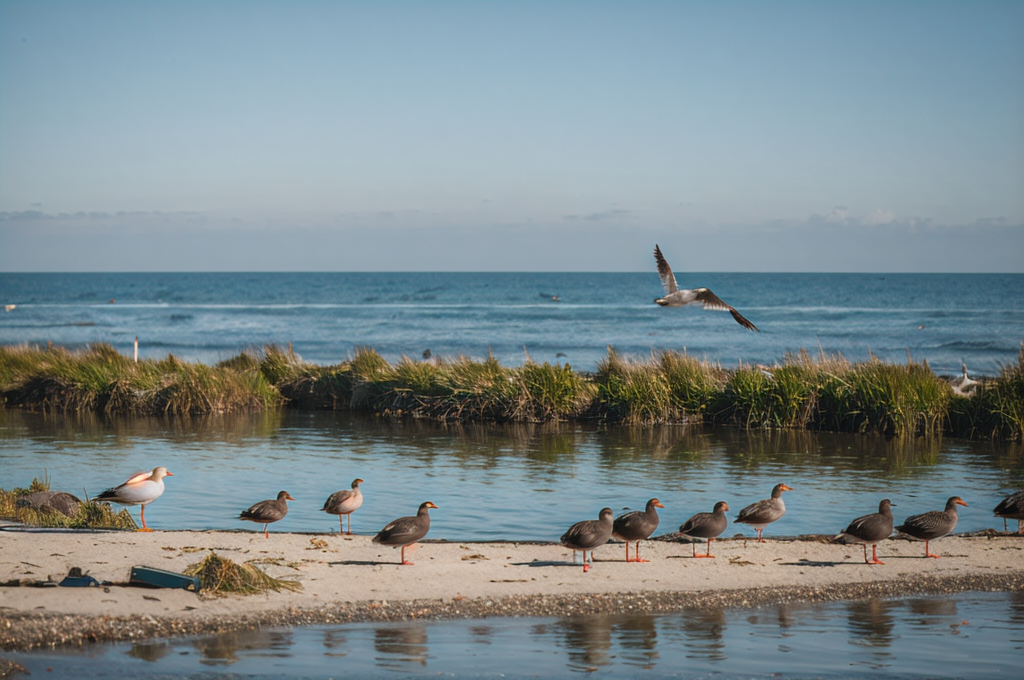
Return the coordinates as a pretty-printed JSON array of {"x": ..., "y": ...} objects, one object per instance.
[{"x": 349, "y": 579}]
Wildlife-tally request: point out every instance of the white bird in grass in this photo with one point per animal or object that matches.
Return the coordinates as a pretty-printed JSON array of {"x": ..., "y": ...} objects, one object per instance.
[
  {"x": 142, "y": 488},
  {"x": 677, "y": 297},
  {"x": 962, "y": 385}
]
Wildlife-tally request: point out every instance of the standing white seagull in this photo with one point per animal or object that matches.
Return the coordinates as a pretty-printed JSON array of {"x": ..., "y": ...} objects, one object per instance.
[
  {"x": 676, "y": 297},
  {"x": 142, "y": 488}
]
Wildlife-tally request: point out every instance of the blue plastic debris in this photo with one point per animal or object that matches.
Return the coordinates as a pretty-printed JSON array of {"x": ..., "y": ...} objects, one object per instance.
[{"x": 159, "y": 578}]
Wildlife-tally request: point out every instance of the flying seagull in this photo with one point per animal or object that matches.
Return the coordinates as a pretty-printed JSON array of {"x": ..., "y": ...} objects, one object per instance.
[{"x": 674, "y": 297}]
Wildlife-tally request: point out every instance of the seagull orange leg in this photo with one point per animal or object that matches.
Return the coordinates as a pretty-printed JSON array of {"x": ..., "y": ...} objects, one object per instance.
[
  {"x": 586, "y": 567},
  {"x": 759, "y": 539},
  {"x": 266, "y": 532},
  {"x": 405, "y": 561},
  {"x": 636, "y": 553},
  {"x": 874, "y": 554},
  {"x": 142, "y": 510},
  {"x": 928, "y": 553}
]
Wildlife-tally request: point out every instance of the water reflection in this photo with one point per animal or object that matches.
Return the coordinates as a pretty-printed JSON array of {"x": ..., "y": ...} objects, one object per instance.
[
  {"x": 228, "y": 648},
  {"x": 586, "y": 639},
  {"x": 638, "y": 636},
  {"x": 871, "y": 622},
  {"x": 703, "y": 633},
  {"x": 930, "y": 610},
  {"x": 334, "y": 641},
  {"x": 833, "y": 640},
  {"x": 401, "y": 647},
  {"x": 1017, "y": 619},
  {"x": 481, "y": 634},
  {"x": 149, "y": 651}
]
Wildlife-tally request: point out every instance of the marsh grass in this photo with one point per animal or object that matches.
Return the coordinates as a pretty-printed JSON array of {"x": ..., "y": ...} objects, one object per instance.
[
  {"x": 632, "y": 391},
  {"x": 220, "y": 576},
  {"x": 803, "y": 392},
  {"x": 100, "y": 379},
  {"x": 90, "y": 514}
]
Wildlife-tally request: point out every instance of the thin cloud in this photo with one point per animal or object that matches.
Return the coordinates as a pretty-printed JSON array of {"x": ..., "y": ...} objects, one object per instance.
[{"x": 600, "y": 216}]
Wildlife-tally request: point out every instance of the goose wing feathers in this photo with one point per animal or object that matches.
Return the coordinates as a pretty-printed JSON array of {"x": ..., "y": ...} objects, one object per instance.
[
  {"x": 589, "y": 533},
  {"x": 1011, "y": 507},
  {"x": 342, "y": 502},
  {"x": 762, "y": 512},
  {"x": 403, "y": 531},
  {"x": 705, "y": 525}
]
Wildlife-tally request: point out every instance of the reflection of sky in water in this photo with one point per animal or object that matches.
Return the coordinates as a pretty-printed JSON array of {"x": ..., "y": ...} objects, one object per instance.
[
  {"x": 970, "y": 635},
  {"x": 517, "y": 483}
]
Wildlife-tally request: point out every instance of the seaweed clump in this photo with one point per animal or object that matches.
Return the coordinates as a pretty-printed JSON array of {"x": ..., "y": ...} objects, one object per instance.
[{"x": 220, "y": 576}]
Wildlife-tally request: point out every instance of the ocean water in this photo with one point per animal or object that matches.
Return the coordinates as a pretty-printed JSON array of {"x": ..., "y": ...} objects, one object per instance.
[
  {"x": 557, "y": 317},
  {"x": 973, "y": 635}
]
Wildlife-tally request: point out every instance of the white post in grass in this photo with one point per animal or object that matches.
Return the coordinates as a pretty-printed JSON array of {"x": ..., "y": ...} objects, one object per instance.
[{"x": 136, "y": 349}]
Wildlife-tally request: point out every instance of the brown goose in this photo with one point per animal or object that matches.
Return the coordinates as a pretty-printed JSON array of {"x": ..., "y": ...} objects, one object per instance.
[
  {"x": 676, "y": 297},
  {"x": 589, "y": 534},
  {"x": 637, "y": 526},
  {"x": 405, "y": 531},
  {"x": 933, "y": 525},
  {"x": 343, "y": 503},
  {"x": 268, "y": 511},
  {"x": 141, "y": 489},
  {"x": 870, "y": 529},
  {"x": 709, "y": 525},
  {"x": 762, "y": 513},
  {"x": 1012, "y": 507}
]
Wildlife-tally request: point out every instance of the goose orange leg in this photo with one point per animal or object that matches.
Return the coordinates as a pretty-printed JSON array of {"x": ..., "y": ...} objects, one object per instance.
[{"x": 709, "y": 549}]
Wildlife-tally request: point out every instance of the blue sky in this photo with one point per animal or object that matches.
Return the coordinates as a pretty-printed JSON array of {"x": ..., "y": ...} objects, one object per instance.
[{"x": 515, "y": 136}]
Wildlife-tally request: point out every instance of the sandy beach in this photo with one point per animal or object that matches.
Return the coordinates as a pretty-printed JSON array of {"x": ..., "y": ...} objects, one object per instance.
[{"x": 348, "y": 578}]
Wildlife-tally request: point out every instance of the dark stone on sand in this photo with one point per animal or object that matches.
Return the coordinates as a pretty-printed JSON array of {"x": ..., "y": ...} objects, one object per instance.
[{"x": 60, "y": 501}]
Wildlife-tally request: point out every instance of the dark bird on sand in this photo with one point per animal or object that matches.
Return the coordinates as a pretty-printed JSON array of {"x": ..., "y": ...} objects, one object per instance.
[
  {"x": 268, "y": 511},
  {"x": 405, "y": 531},
  {"x": 870, "y": 529},
  {"x": 1012, "y": 507},
  {"x": 589, "y": 534},
  {"x": 678, "y": 297},
  {"x": 709, "y": 525},
  {"x": 637, "y": 526},
  {"x": 932, "y": 525},
  {"x": 762, "y": 513}
]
